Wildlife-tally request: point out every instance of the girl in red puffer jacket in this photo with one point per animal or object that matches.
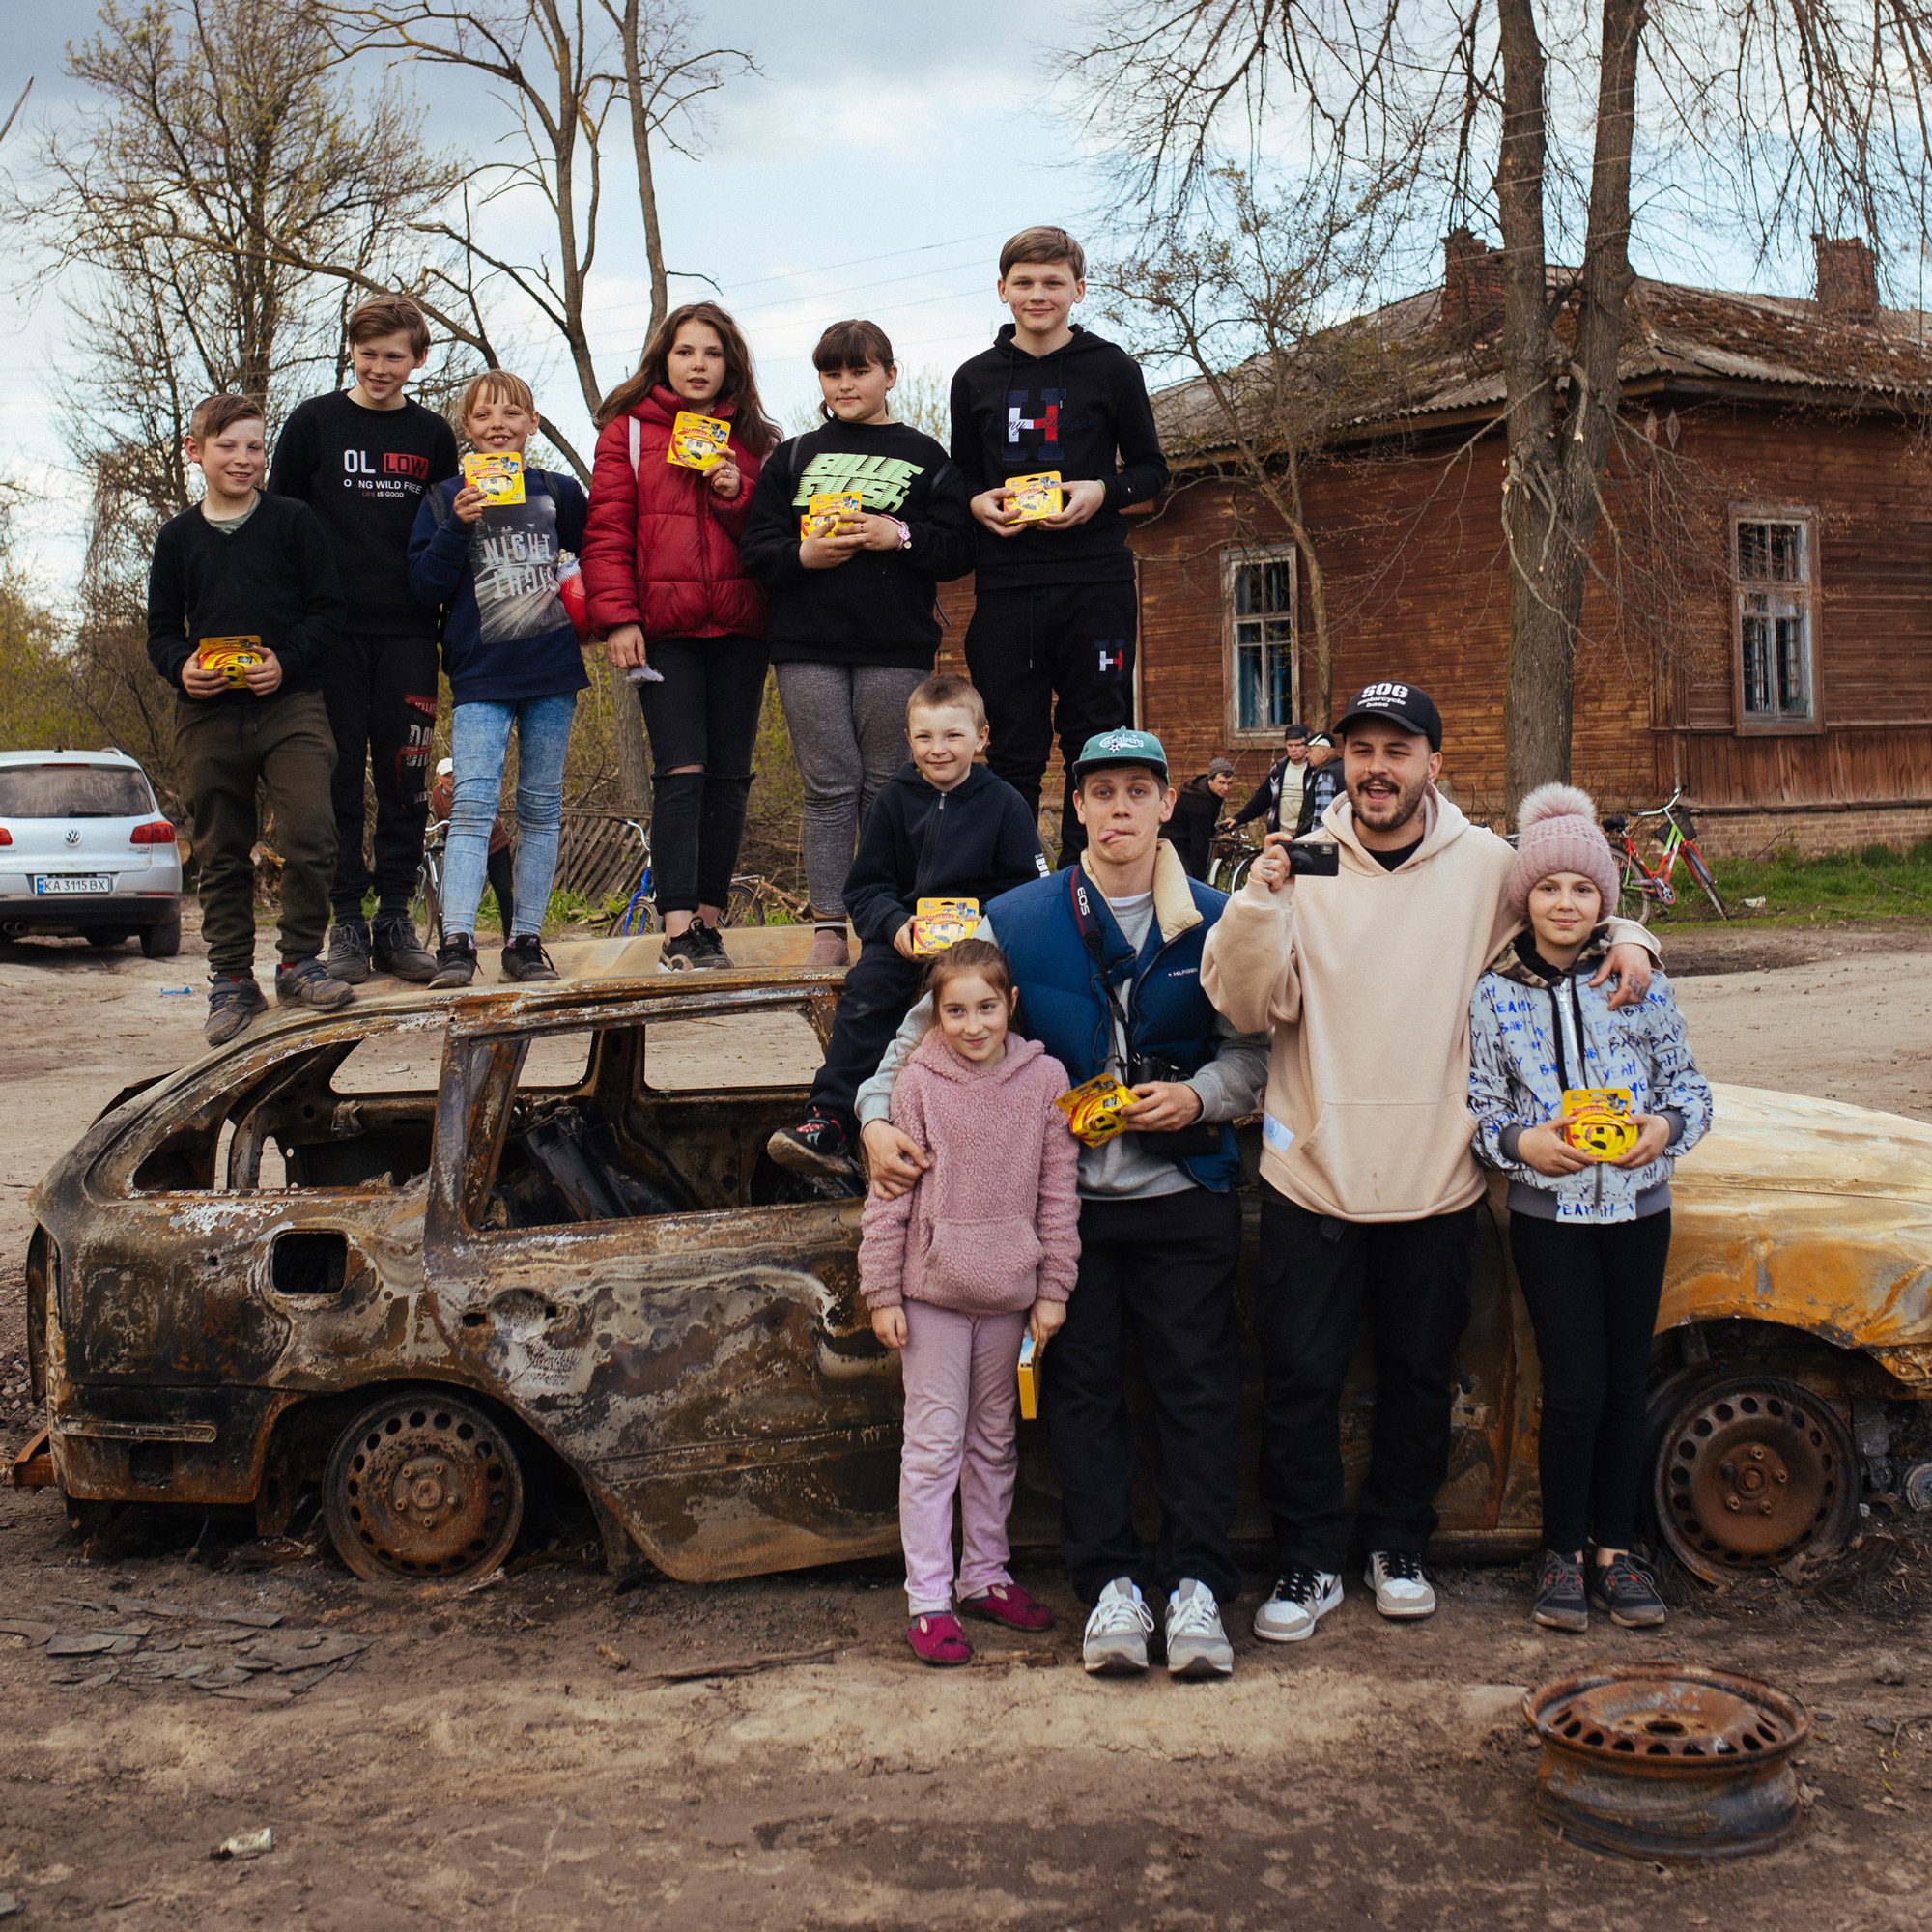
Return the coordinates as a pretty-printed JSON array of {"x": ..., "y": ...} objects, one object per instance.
[{"x": 661, "y": 568}]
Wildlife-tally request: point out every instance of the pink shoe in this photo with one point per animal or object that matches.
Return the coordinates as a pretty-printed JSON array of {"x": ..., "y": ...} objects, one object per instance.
[
  {"x": 1008, "y": 1603},
  {"x": 939, "y": 1639}
]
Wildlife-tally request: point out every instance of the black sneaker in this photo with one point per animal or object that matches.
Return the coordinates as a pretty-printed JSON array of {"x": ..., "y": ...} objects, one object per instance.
[
  {"x": 349, "y": 952},
  {"x": 308, "y": 982},
  {"x": 713, "y": 943},
  {"x": 395, "y": 948},
  {"x": 233, "y": 1000},
  {"x": 525, "y": 958},
  {"x": 455, "y": 961},
  {"x": 818, "y": 1145},
  {"x": 1627, "y": 1591},
  {"x": 687, "y": 953},
  {"x": 1560, "y": 1602}
]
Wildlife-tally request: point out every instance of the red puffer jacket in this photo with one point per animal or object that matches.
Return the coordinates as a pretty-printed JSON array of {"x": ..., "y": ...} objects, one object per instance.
[{"x": 660, "y": 547}]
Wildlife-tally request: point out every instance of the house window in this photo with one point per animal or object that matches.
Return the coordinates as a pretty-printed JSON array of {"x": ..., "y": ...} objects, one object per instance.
[
  {"x": 1260, "y": 645},
  {"x": 1776, "y": 581}
]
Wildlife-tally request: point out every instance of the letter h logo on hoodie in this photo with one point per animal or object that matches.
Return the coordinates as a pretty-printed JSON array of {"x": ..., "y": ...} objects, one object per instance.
[{"x": 1032, "y": 427}]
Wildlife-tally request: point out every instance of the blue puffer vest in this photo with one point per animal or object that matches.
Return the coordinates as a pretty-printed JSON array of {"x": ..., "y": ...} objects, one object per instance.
[{"x": 1064, "y": 1004}]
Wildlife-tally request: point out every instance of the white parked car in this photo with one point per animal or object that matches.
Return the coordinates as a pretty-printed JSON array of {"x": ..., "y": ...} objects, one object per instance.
[{"x": 84, "y": 849}]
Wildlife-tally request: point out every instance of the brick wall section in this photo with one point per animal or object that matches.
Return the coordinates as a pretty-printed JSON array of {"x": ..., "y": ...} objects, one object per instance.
[{"x": 1811, "y": 832}]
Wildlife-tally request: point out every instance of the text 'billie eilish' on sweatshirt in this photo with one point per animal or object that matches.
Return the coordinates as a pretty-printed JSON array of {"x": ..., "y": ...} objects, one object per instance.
[
  {"x": 1082, "y": 409},
  {"x": 876, "y": 607}
]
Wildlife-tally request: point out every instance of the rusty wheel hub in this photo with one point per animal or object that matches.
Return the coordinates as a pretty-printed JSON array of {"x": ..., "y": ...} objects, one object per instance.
[
  {"x": 422, "y": 1486},
  {"x": 1752, "y": 1473},
  {"x": 1668, "y": 1760}
]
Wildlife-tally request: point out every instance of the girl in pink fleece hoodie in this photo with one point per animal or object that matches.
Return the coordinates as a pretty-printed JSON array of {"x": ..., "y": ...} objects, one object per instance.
[{"x": 982, "y": 1249}]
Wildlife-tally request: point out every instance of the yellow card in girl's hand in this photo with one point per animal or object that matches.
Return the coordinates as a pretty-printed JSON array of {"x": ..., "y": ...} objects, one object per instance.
[
  {"x": 498, "y": 474},
  {"x": 1035, "y": 496},
  {"x": 1029, "y": 1380},
  {"x": 697, "y": 442},
  {"x": 1095, "y": 1108},
  {"x": 825, "y": 513}
]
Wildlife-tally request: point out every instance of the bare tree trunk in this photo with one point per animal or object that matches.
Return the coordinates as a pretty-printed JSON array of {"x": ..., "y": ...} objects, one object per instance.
[
  {"x": 627, "y": 738},
  {"x": 638, "y": 101}
]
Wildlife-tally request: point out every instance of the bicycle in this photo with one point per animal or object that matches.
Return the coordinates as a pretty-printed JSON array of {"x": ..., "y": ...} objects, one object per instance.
[
  {"x": 1230, "y": 859},
  {"x": 1643, "y": 885},
  {"x": 639, "y": 913},
  {"x": 429, "y": 879}
]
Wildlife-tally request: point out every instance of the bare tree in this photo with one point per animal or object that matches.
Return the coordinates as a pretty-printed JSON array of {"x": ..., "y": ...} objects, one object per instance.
[{"x": 1781, "y": 115}]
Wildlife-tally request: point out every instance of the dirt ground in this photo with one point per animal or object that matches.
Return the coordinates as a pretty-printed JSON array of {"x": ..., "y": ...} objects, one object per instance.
[{"x": 563, "y": 1750}]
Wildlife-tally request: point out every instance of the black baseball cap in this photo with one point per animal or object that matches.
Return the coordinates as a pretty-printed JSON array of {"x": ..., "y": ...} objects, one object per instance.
[{"x": 1405, "y": 704}]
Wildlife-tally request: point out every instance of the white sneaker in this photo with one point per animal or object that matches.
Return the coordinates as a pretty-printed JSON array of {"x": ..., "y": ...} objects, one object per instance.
[
  {"x": 1299, "y": 1601},
  {"x": 1116, "y": 1642},
  {"x": 1197, "y": 1646},
  {"x": 1400, "y": 1585}
]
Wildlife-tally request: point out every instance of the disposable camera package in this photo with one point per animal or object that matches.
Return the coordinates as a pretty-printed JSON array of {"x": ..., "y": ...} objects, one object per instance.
[
  {"x": 937, "y": 924},
  {"x": 1035, "y": 496},
  {"x": 1094, "y": 1108},
  {"x": 1595, "y": 1122},
  {"x": 697, "y": 442},
  {"x": 1029, "y": 1380},
  {"x": 498, "y": 475},
  {"x": 826, "y": 512},
  {"x": 233, "y": 657}
]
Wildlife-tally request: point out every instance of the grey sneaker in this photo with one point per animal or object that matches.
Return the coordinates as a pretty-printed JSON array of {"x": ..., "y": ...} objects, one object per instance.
[
  {"x": 828, "y": 949},
  {"x": 308, "y": 982},
  {"x": 1299, "y": 1600},
  {"x": 1402, "y": 1586},
  {"x": 1625, "y": 1589},
  {"x": 1116, "y": 1641},
  {"x": 1560, "y": 1602},
  {"x": 233, "y": 1000},
  {"x": 396, "y": 949},
  {"x": 349, "y": 952},
  {"x": 1197, "y": 1646}
]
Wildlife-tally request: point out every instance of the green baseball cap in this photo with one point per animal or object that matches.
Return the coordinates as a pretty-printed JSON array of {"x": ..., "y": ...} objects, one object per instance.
[{"x": 1108, "y": 749}]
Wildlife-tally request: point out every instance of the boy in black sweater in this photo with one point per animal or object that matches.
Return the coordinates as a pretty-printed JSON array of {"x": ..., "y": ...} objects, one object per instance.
[
  {"x": 249, "y": 578},
  {"x": 1054, "y": 604},
  {"x": 361, "y": 459},
  {"x": 851, "y": 627},
  {"x": 944, "y": 828}
]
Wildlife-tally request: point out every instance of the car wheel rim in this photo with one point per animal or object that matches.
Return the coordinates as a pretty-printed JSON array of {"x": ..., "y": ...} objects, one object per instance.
[{"x": 422, "y": 1487}]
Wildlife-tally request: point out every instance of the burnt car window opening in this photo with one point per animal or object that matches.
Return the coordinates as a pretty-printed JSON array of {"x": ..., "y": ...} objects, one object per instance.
[{"x": 74, "y": 791}]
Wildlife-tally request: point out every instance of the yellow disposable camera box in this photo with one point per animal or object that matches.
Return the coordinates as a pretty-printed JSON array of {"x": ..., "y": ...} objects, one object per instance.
[
  {"x": 1095, "y": 1108},
  {"x": 1595, "y": 1122},
  {"x": 937, "y": 924},
  {"x": 1029, "y": 1380},
  {"x": 697, "y": 442},
  {"x": 1035, "y": 496},
  {"x": 826, "y": 512},
  {"x": 498, "y": 475},
  {"x": 233, "y": 657}
]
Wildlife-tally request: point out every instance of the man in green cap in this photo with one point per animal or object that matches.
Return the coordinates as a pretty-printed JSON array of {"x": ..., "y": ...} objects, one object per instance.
[{"x": 1106, "y": 958}]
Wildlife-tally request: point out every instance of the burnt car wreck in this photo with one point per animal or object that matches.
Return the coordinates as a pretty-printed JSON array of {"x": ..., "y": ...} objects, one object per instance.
[{"x": 422, "y": 1253}]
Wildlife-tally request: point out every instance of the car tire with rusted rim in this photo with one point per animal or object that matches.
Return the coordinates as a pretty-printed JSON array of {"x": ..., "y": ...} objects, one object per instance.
[
  {"x": 1751, "y": 1472},
  {"x": 422, "y": 1486}
]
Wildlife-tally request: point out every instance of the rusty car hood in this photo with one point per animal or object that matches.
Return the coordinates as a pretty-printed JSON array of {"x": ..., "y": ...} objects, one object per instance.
[{"x": 1772, "y": 1143}]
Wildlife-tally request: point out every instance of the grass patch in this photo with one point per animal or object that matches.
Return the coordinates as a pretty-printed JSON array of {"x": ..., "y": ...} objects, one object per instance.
[{"x": 1876, "y": 883}]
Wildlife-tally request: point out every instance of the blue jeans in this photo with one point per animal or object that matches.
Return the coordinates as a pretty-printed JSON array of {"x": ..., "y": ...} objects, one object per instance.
[{"x": 479, "y": 737}]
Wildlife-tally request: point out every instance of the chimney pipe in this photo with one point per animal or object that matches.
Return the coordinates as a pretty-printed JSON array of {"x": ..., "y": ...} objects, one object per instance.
[
  {"x": 1473, "y": 286},
  {"x": 1847, "y": 280}
]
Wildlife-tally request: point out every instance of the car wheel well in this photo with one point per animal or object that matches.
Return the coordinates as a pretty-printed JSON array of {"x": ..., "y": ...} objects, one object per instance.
[{"x": 1839, "y": 1372}]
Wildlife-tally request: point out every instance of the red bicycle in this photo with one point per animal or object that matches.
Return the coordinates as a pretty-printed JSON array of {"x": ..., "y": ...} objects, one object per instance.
[{"x": 1644, "y": 884}]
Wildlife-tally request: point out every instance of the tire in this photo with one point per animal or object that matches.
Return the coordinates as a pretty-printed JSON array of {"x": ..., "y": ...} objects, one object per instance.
[
  {"x": 162, "y": 941},
  {"x": 1702, "y": 873},
  {"x": 103, "y": 940}
]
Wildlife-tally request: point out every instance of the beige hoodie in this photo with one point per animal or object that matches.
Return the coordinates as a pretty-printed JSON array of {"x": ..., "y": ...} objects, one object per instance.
[{"x": 1364, "y": 981}]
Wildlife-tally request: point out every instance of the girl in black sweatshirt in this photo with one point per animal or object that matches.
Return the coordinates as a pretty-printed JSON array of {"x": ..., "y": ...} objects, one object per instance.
[{"x": 852, "y": 627}]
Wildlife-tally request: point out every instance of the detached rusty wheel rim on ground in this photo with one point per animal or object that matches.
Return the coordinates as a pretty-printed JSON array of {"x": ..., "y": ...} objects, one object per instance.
[
  {"x": 422, "y": 1486},
  {"x": 1752, "y": 1472}
]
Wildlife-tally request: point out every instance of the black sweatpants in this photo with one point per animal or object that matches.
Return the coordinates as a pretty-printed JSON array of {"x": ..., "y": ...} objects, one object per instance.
[
  {"x": 1026, "y": 647},
  {"x": 705, "y": 713},
  {"x": 880, "y": 989},
  {"x": 1592, "y": 1292},
  {"x": 1317, "y": 1273},
  {"x": 381, "y": 694},
  {"x": 1159, "y": 1273}
]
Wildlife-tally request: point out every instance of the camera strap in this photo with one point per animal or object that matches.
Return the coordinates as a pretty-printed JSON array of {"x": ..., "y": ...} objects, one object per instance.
[{"x": 1094, "y": 936}]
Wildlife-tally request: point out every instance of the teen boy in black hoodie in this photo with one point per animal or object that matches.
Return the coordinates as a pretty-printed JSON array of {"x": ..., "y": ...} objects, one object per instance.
[
  {"x": 944, "y": 828},
  {"x": 1054, "y": 607}
]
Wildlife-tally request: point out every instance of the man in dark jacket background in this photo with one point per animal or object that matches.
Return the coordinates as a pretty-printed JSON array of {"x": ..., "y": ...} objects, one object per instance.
[{"x": 1196, "y": 810}]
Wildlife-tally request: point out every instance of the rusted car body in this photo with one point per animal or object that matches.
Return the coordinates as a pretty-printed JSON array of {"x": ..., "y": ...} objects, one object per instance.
[{"x": 558, "y": 1241}]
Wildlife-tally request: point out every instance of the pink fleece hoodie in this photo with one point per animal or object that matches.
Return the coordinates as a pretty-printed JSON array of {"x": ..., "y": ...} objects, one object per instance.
[{"x": 994, "y": 1226}]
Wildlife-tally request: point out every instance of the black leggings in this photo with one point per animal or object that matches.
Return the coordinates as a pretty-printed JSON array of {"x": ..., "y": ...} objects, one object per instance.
[
  {"x": 1592, "y": 1292},
  {"x": 704, "y": 713}
]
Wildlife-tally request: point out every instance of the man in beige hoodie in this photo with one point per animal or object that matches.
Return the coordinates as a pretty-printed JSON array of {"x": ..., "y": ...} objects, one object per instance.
[{"x": 1370, "y": 1189}]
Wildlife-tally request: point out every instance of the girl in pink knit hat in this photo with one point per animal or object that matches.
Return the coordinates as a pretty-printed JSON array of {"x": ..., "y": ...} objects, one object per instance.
[
  {"x": 1589, "y": 1235},
  {"x": 984, "y": 1249}
]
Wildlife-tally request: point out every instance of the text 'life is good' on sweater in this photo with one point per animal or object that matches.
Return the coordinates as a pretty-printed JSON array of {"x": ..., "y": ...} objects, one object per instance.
[
  {"x": 876, "y": 607},
  {"x": 270, "y": 578},
  {"x": 1082, "y": 409},
  {"x": 994, "y": 1225},
  {"x": 364, "y": 473}
]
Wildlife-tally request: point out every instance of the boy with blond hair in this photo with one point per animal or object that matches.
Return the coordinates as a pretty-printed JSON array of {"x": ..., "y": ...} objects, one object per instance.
[{"x": 362, "y": 459}]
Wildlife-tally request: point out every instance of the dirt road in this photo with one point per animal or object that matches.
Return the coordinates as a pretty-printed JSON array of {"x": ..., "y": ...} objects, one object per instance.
[{"x": 559, "y": 1750}]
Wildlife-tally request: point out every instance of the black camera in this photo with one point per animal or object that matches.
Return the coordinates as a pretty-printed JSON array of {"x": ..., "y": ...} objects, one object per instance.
[{"x": 1314, "y": 859}]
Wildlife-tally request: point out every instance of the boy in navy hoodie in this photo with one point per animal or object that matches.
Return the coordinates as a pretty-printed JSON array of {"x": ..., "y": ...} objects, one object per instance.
[
  {"x": 945, "y": 827},
  {"x": 1054, "y": 603}
]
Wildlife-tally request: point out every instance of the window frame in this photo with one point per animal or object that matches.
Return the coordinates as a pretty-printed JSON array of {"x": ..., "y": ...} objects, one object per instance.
[
  {"x": 1234, "y": 557},
  {"x": 1751, "y": 725}
]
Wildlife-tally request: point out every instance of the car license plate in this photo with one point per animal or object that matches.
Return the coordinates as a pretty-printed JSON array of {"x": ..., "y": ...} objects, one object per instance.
[{"x": 72, "y": 882}]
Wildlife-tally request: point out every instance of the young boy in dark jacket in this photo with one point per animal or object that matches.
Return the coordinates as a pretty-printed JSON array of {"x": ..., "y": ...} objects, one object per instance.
[
  {"x": 944, "y": 828},
  {"x": 1054, "y": 604}
]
